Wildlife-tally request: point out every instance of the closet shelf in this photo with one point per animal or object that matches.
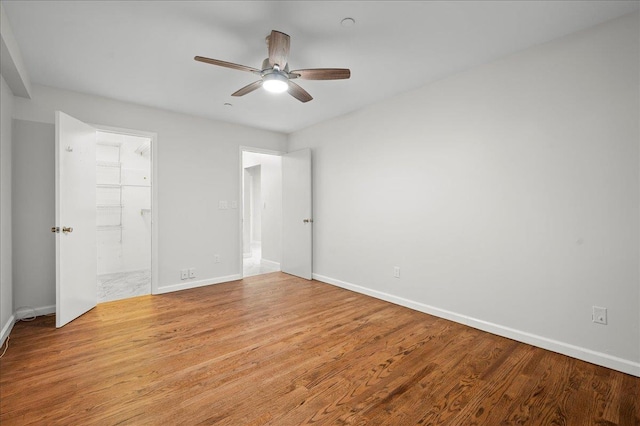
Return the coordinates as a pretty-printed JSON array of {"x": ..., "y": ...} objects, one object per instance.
[
  {"x": 108, "y": 164},
  {"x": 109, "y": 143},
  {"x": 109, "y": 206}
]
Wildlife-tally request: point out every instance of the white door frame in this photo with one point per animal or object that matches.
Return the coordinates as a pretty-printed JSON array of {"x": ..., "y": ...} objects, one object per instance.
[
  {"x": 154, "y": 193},
  {"x": 244, "y": 148}
]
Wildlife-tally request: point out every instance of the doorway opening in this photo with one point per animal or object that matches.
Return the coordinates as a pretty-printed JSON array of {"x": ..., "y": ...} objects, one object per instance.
[
  {"x": 261, "y": 212},
  {"x": 123, "y": 215}
]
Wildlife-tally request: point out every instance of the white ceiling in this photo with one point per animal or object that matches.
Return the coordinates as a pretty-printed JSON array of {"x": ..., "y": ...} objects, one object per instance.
[{"x": 142, "y": 51}]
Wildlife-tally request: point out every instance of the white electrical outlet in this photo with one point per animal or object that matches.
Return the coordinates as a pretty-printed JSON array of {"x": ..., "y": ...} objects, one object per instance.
[
  {"x": 223, "y": 205},
  {"x": 216, "y": 258},
  {"x": 184, "y": 274},
  {"x": 396, "y": 271},
  {"x": 599, "y": 315},
  {"x": 192, "y": 272},
  {"x": 234, "y": 204}
]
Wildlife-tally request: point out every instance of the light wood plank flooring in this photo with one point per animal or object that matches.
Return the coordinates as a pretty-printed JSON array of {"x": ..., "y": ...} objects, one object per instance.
[{"x": 278, "y": 350}]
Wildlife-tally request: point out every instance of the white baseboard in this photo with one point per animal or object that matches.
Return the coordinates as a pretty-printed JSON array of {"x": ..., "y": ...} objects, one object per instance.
[
  {"x": 6, "y": 329},
  {"x": 598, "y": 358},
  {"x": 270, "y": 264},
  {"x": 28, "y": 311},
  {"x": 24, "y": 312},
  {"x": 46, "y": 310},
  {"x": 200, "y": 283}
]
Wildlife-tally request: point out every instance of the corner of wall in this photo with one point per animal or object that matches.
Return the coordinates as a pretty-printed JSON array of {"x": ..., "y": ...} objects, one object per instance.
[
  {"x": 6, "y": 329},
  {"x": 582, "y": 353},
  {"x": 6, "y": 248},
  {"x": 13, "y": 69}
]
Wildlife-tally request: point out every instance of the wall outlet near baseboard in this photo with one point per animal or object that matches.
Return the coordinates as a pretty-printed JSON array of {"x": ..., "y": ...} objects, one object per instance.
[
  {"x": 396, "y": 271},
  {"x": 599, "y": 315},
  {"x": 216, "y": 258},
  {"x": 184, "y": 274},
  {"x": 192, "y": 272}
]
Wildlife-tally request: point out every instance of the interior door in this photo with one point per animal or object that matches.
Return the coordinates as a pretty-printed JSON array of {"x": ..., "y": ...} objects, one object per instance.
[
  {"x": 297, "y": 219},
  {"x": 75, "y": 183}
]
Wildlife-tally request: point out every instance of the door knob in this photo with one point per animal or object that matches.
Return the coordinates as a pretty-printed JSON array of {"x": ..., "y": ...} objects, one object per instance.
[{"x": 67, "y": 229}]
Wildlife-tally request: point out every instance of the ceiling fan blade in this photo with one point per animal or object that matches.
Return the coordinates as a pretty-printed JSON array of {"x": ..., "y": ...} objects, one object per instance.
[
  {"x": 278, "y": 49},
  {"x": 322, "y": 74},
  {"x": 226, "y": 64},
  {"x": 248, "y": 88},
  {"x": 298, "y": 92}
]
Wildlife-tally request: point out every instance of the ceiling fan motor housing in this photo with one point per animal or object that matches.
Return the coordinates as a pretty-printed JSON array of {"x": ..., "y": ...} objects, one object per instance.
[{"x": 266, "y": 67}]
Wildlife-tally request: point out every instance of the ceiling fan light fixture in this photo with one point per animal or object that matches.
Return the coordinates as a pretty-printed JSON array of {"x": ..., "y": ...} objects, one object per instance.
[{"x": 275, "y": 83}]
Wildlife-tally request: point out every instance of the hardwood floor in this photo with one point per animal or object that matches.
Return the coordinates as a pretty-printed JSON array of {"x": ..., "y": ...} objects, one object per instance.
[{"x": 278, "y": 350}]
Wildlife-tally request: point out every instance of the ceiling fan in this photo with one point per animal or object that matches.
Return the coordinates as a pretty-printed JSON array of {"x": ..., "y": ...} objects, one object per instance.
[{"x": 275, "y": 75}]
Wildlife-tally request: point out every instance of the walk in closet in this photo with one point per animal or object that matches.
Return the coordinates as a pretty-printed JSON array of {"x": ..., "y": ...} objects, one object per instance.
[{"x": 123, "y": 198}]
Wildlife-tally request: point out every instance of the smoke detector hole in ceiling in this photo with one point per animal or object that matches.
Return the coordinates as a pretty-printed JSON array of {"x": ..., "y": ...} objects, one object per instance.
[{"x": 348, "y": 22}]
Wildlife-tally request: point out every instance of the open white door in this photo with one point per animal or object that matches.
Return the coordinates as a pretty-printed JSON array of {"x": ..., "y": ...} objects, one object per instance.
[
  {"x": 76, "y": 263},
  {"x": 297, "y": 219}
]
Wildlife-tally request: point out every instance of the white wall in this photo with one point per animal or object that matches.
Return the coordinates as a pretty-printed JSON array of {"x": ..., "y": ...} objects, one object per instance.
[
  {"x": 256, "y": 203},
  {"x": 271, "y": 208},
  {"x": 34, "y": 280},
  {"x": 507, "y": 194},
  {"x": 197, "y": 167},
  {"x": 136, "y": 195},
  {"x": 271, "y": 194},
  {"x": 246, "y": 213},
  {"x": 6, "y": 281}
]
